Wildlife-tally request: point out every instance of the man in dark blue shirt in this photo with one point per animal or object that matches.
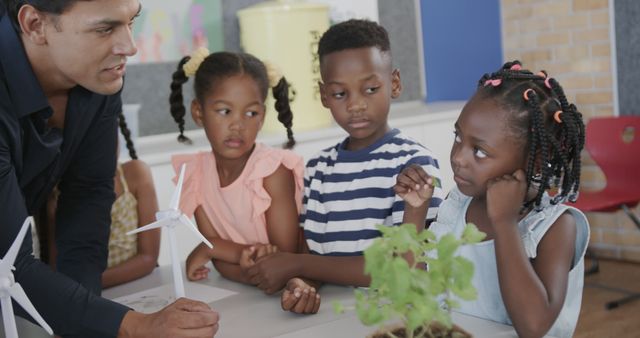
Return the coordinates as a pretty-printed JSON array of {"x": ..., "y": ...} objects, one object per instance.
[{"x": 61, "y": 72}]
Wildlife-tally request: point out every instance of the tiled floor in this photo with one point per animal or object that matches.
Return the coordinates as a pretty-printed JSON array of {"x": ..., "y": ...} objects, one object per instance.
[{"x": 597, "y": 322}]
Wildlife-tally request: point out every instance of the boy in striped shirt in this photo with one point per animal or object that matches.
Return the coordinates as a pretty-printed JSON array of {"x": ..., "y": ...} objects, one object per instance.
[{"x": 375, "y": 176}]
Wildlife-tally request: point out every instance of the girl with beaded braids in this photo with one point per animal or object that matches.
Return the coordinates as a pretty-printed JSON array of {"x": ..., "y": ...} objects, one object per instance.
[
  {"x": 516, "y": 159},
  {"x": 245, "y": 196}
]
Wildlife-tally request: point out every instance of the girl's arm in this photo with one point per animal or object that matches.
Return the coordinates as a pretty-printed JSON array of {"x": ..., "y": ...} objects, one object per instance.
[
  {"x": 138, "y": 176},
  {"x": 545, "y": 278},
  {"x": 533, "y": 291},
  {"x": 223, "y": 250},
  {"x": 282, "y": 215}
]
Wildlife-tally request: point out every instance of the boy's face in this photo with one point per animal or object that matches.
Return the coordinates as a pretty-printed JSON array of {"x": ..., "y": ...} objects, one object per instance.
[{"x": 358, "y": 85}]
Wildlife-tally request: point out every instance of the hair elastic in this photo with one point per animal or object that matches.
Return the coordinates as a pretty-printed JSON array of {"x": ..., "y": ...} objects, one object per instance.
[
  {"x": 494, "y": 83},
  {"x": 556, "y": 116},
  {"x": 526, "y": 94},
  {"x": 547, "y": 83},
  {"x": 194, "y": 62},
  {"x": 274, "y": 73},
  {"x": 516, "y": 67}
]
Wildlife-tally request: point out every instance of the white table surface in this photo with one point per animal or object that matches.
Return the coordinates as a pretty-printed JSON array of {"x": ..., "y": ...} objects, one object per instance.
[{"x": 250, "y": 313}]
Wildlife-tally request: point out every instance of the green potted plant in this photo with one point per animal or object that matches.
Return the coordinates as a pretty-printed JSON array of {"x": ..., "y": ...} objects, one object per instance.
[{"x": 421, "y": 298}]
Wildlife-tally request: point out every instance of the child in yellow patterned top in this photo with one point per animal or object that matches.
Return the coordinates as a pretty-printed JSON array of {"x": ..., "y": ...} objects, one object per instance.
[{"x": 130, "y": 257}]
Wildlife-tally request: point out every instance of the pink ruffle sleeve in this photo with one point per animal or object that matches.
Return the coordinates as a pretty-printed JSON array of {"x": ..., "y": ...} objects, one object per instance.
[
  {"x": 191, "y": 195},
  {"x": 268, "y": 160}
]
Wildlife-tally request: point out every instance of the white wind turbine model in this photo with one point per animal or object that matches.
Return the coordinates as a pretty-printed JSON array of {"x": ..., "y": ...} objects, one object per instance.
[
  {"x": 10, "y": 289},
  {"x": 169, "y": 219}
]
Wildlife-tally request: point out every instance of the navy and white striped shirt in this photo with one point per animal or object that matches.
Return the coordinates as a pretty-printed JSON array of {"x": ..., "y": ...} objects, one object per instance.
[{"x": 347, "y": 193}]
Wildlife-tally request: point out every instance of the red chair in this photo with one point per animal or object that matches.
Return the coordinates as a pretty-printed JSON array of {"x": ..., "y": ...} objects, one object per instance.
[{"x": 614, "y": 144}]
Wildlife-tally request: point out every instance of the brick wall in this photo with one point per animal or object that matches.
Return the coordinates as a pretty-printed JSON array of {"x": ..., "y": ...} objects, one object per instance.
[{"x": 570, "y": 40}]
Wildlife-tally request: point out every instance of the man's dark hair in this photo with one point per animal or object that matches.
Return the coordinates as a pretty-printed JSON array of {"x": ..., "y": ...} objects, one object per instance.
[
  {"x": 48, "y": 6},
  {"x": 351, "y": 34}
]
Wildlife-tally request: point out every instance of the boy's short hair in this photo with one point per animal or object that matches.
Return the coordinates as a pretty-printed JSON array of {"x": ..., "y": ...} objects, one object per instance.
[{"x": 351, "y": 34}]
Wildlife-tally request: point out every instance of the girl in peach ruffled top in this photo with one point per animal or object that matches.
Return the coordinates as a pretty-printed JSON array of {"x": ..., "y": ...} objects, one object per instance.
[{"x": 245, "y": 196}]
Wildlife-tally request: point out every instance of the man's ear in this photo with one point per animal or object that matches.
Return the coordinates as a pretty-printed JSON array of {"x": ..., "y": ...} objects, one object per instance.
[
  {"x": 323, "y": 96},
  {"x": 196, "y": 113},
  {"x": 32, "y": 23},
  {"x": 396, "y": 84}
]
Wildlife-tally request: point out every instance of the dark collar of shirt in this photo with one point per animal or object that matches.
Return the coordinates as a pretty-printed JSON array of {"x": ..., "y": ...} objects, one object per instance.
[{"x": 24, "y": 89}]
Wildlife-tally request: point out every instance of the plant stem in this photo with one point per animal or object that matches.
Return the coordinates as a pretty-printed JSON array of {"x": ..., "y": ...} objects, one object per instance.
[{"x": 391, "y": 335}]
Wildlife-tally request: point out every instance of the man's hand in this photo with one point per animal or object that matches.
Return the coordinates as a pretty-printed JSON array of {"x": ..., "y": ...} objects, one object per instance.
[
  {"x": 183, "y": 318},
  {"x": 300, "y": 297}
]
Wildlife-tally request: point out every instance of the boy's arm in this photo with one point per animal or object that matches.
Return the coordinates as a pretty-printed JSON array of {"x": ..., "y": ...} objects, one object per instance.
[{"x": 272, "y": 272}]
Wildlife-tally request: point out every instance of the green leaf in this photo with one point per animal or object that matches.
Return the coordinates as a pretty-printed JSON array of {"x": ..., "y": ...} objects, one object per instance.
[
  {"x": 414, "y": 294},
  {"x": 447, "y": 246},
  {"x": 471, "y": 234}
]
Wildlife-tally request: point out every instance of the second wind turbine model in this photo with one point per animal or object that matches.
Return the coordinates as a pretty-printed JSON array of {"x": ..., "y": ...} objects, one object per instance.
[{"x": 170, "y": 219}]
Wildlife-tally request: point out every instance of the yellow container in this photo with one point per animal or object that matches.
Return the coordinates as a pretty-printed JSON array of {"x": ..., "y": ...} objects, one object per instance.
[{"x": 286, "y": 33}]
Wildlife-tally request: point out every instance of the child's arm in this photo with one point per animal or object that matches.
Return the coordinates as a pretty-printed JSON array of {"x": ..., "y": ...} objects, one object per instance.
[
  {"x": 138, "y": 176},
  {"x": 415, "y": 187},
  {"x": 272, "y": 272},
  {"x": 294, "y": 298},
  {"x": 544, "y": 279},
  {"x": 224, "y": 251},
  {"x": 282, "y": 215}
]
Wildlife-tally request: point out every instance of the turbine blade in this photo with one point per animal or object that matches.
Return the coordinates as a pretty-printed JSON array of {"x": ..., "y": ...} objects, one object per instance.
[
  {"x": 175, "y": 199},
  {"x": 12, "y": 253},
  {"x": 17, "y": 293},
  {"x": 187, "y": 222},
  {"x": 154, "y": 225}
]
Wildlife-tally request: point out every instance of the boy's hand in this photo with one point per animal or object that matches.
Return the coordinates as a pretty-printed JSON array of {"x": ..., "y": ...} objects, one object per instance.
[
  {"x": 300, "y": 297},
  {"x": 251, "y": 254},
  {"x": 414, "y": 185},
  {"x": 504, "y": 198},
  {"x": 271, "y": 273},
  {"x": 196, "y": 269}
]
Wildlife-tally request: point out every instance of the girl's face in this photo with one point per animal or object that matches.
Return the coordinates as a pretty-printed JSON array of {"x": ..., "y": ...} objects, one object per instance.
[
  {"x": 231, "y": 114},
  {"x": 483, "y": 147}
]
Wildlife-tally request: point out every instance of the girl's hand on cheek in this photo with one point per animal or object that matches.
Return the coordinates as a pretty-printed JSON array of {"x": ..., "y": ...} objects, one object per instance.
[{"x": 505, "y": 195}]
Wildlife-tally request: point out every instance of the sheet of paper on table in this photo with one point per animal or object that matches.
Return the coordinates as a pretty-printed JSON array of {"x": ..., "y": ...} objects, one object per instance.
[{"x": 155, "y": 299}]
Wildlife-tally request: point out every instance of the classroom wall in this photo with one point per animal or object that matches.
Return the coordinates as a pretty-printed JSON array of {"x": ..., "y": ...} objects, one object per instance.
[
  {"x": 462, "y": 41},
  {"x": 148, "y": 83}
]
